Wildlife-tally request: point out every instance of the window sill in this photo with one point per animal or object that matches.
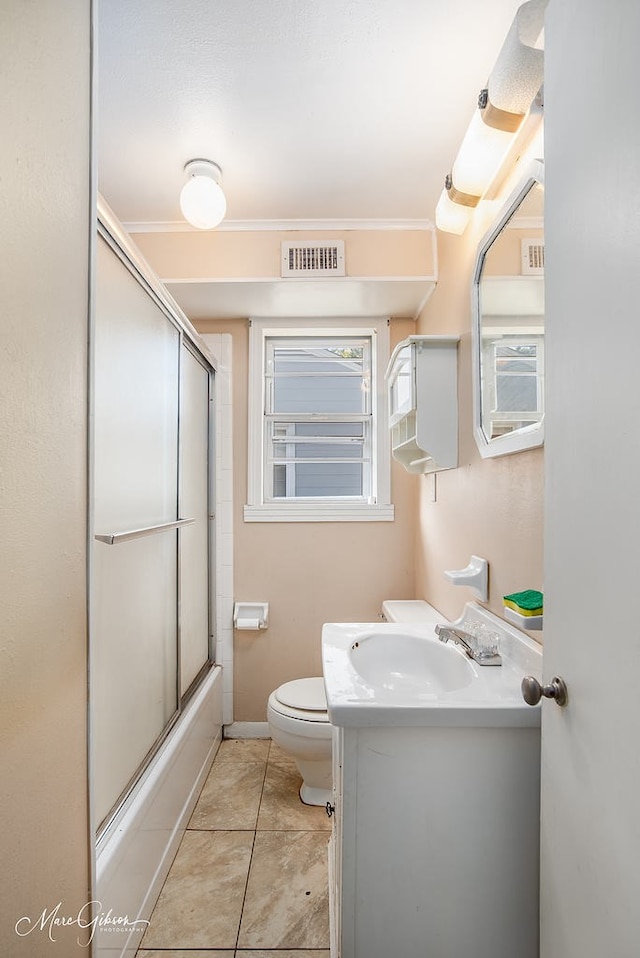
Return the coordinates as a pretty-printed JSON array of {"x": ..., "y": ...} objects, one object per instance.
[{"x": 329, "y": 512}]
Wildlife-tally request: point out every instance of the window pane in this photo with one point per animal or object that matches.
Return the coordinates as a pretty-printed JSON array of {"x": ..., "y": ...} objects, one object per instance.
[
  {"x": 309, "y": 440},
  {"x": 296, "y": 359},
  {"x": 527, "y": 349},
  {"x": 320, "y": 480},
  {"x": 319, "y": 379},
  {"x": 323, "y": 429},
  {"x": 516, "y": 358},
  {"x": 292, "y": 450},
  {"x": 327, "y": 394},
  {"x": 515, "y": 365},
  {"x": 341, "y": 432},
  {"x": 517, "y": 393},
  {"x": 401, "y": 388},
  {"x": 279, "y": 481}
]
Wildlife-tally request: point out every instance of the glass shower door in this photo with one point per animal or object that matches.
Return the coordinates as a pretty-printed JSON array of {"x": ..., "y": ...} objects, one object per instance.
[{"x": 134, "y": 670}]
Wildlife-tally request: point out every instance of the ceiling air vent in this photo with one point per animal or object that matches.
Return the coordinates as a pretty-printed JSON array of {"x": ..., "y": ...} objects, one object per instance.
[
  {"x": 313, "y": 259},
  {"x": 532, "y": 256}
]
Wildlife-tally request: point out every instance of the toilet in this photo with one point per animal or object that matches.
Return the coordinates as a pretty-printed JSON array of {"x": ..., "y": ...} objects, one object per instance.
[{"x": 299, "y": 724}]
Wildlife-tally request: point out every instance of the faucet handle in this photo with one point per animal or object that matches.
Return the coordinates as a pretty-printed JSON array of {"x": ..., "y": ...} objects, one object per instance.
[
  {"x": 480, "y": 643},
  {"x": 486, "y": 641}
]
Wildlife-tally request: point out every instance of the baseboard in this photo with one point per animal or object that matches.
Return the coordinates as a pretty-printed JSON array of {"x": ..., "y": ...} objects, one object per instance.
[{"x": 247, "y": 730}]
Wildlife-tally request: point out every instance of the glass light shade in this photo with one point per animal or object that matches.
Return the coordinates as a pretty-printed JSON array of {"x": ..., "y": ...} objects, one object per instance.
[
  {"x": 452, "y": 217},
  {"x": 480, "y": 156},
  {"x": 202, "y": 202}
]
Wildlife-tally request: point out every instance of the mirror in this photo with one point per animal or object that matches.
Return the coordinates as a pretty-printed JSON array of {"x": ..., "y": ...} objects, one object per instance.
[{"x": 508, "y": 327}]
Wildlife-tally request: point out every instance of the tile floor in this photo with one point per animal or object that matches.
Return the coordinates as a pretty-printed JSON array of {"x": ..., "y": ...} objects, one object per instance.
[{"x": 250, "y": 876}]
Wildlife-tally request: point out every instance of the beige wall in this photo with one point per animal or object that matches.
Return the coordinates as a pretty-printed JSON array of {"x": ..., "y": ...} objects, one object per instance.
[
  {"x": 44, "y": 276},
  {"x": 229, "y": 254},
  {"x": 504, "y": 256},
  {"x": 492, "y": 507},
  {"x": 310, "y": 573}
]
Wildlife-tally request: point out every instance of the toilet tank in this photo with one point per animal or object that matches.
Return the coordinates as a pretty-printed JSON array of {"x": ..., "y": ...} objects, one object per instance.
[{"x": 411, "y": 611}]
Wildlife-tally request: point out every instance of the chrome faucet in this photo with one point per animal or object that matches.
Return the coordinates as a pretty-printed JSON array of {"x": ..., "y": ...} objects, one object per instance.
[{"x": 469, "y": 643}]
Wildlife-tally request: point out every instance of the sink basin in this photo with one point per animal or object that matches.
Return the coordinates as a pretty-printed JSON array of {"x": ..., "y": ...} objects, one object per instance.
[
  {"x": 400, "y": 661},
  {"x": 401, "y": 675}
]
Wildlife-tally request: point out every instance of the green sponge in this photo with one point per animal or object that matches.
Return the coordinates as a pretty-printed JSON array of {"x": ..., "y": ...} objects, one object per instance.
[{"x": 528, "y": 602}]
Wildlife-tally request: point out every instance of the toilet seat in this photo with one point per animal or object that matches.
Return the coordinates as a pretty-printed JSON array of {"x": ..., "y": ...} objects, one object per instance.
[
  {"x": 307, "y": 694},
  {"x": 302, "y": 699}
]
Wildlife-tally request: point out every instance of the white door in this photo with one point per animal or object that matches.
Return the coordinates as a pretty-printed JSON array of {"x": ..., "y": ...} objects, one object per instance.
[{"x": 590, "y": 844}]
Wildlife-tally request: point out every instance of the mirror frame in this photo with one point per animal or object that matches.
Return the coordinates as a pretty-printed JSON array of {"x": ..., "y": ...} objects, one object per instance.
[{"x": 529, "y": 436}]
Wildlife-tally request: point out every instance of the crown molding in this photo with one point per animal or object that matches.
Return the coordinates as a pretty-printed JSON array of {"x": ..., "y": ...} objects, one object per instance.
[{"x": 283, "y": 226}]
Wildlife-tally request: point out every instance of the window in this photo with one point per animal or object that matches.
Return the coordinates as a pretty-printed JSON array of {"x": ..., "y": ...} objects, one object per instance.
[
  {"x": 514, "y": 390},
  {"x": 318, "y": 446}
]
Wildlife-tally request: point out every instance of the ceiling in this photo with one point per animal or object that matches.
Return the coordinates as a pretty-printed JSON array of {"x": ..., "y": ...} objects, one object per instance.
[{"x": 340, "y": 111}]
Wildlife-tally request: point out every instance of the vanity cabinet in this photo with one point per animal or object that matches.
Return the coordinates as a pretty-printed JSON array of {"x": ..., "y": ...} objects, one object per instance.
[
  {"x": 434, "y": 850},
  {"x": 423, "y": 403}
]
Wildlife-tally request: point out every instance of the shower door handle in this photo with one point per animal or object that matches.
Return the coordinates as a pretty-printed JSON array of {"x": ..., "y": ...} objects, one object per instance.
[{"x": 114, "y": 538}]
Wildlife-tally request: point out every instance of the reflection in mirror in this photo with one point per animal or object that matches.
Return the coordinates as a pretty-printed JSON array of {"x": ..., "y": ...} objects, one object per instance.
[{"x": 508, "y": 297}]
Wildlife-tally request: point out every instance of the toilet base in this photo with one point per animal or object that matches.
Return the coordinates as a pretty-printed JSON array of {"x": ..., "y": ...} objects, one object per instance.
[
  {"x": 315, "y": 796},
  {"x": 317, "y": 778}
]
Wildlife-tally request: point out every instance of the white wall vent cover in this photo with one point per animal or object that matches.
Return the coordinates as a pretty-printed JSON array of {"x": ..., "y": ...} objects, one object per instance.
[
  {"x": 532, "y": 256},
  {"x": 324, "y": 258}
]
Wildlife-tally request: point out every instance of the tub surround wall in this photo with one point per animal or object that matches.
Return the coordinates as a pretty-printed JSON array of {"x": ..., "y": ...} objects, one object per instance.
[
  {"x": 310, "y": 573},
  {"x": 491, "y": 507},
  {"x": 46, "y": 201},
  {"x": 134, "y": 855}
]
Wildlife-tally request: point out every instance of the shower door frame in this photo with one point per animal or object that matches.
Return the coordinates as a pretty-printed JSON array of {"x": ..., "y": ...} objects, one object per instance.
[{"x": 109, "y": 229}]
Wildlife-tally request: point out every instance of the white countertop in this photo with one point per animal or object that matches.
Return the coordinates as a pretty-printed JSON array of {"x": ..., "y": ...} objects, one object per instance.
[{"x": 489, "y": 697}]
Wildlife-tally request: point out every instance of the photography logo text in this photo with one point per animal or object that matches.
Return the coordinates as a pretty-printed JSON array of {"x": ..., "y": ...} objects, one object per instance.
[{"x": 90, "y": 917}]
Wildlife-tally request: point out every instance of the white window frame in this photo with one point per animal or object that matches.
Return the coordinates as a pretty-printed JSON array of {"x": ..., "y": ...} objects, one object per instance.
[{"x": 378, "y": 507}]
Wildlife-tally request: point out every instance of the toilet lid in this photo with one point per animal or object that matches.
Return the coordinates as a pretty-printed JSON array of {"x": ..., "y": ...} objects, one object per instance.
[{"x": 307, "y": 694}]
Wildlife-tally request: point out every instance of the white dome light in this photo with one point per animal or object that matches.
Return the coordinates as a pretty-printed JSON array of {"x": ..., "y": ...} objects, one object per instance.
[{"x": 202, "y": 201}]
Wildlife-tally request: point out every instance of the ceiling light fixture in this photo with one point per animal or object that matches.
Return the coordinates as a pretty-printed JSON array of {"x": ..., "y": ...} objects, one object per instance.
[
  {"x": 202, "y": 201},
  {"x": 514, "y": 83}
]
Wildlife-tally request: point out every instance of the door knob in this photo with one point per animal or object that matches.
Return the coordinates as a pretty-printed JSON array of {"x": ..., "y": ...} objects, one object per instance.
[{"x": 532, "y": 691}]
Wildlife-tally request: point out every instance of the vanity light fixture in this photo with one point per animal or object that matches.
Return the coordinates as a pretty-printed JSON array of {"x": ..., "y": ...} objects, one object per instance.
[
  {"x": 514, "y": 83},
  {"x": 202, "y": 201}
]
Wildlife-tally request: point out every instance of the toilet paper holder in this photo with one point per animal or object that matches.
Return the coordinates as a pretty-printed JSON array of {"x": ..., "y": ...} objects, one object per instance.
[{"x": 251, "y": 615}]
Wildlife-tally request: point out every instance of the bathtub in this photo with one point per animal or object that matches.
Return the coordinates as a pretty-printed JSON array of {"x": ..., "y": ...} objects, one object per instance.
[{"x": 135, "y": 853}]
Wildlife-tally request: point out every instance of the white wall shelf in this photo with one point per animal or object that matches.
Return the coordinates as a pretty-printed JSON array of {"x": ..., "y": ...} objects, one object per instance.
[{"x": 422, "y": 380}]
